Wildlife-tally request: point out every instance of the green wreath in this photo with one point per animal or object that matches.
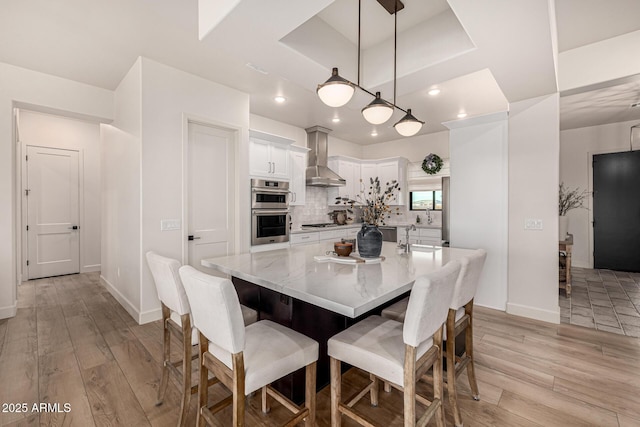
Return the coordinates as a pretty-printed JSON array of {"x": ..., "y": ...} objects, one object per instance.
[{"x": 432, "y": 164}]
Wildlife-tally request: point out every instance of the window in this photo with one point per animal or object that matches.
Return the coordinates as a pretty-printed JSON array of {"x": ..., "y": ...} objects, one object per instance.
[{"x": 423, "y": 200}]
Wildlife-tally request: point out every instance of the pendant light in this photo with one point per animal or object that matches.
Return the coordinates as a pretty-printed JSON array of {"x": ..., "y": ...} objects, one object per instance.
[
  {"x": 337, "y": 91},
  {"x": 378, "y": 111},
  {"x": 408, "y": 125}
]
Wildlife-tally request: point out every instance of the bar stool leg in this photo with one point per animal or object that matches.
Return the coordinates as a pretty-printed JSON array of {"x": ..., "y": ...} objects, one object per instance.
[
  {"x": 471, "y": 373},
  {"x": 336, "y": 392},
  {"x": 186, "y": 368},
  {"x": 166, "y": 350},
  {"x": 310, "y": 394},
  {"x": 410, "y": 386},
  {"x": 203, "y": 386},
  {"x": 451, "y": 367},
  {"x": 238, "y": 390}
]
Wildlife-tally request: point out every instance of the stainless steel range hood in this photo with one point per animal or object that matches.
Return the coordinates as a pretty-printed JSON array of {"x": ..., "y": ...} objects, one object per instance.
[{"x": 318, "y": 174}]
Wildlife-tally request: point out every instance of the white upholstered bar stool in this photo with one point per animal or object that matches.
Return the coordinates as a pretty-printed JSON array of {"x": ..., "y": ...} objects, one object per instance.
[
  {"x": 459, "y": 319},
  {"x": 397, "y": 353},
  {"x": 245, "y": 359},
  {"x": 176, "y": 320}
]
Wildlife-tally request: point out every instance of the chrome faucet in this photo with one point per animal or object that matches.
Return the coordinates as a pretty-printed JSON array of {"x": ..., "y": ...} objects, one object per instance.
[
  {"x": 429, "y": 218},
  {"x": 407, "y": 247}
]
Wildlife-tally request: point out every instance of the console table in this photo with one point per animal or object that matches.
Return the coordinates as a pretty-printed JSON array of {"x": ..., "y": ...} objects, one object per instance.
[{"x": 565, "y": 246}]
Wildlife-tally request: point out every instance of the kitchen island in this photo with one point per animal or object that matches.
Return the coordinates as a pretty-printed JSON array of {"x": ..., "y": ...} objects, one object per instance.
[{"x": 320, "y": 299}]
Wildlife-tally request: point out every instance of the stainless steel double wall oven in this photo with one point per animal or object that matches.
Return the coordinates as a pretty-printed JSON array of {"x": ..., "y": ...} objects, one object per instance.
[{"x": 269, "y": 211}]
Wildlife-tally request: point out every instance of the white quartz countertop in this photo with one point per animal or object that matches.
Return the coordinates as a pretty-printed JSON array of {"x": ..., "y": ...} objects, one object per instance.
[{"x": 347, "y": 289}]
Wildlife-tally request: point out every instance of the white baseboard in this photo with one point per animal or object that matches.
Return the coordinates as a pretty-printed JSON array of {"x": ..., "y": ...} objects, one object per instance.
[
  {"x": 488, "y": 306},
  {"x": 91, "y": 268},
  {"x": 124, "y": 302},
  {"x": 9, "y": 311},
  {"x": 140, "y": 317},
  {"x": 150, "y": 316},
  {"x": 550, "y": 316}
]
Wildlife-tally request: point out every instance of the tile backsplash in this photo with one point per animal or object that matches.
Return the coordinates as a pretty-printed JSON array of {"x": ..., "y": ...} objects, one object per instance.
[{"x": 316, "y": 210}]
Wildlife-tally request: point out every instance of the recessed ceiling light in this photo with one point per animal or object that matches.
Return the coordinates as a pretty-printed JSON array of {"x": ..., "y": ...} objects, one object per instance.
[
  {"x": 336, "y": 120},
  {"x": 462, "y": 115},
  {"x": 280, "y": 99},
  {"x": 374, "y": 133},
  {"x": 434, "y": 92}
]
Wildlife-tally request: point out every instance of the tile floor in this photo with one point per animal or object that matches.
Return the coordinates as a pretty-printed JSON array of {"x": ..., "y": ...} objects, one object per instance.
[{"x": 603, "y": 299}]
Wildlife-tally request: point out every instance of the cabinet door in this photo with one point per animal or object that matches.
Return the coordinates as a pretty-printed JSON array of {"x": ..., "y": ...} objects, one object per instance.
[
  {"x": 368, "y": 171},
  {"x": 431, "y": 236},
  {"x": 298, "y": 184},
  {"x": 259, "y": 158},
  {"x": 303, "y": 239},
  {"x": 350, "y": 171},
  {"x": 280, "y": 161},
  {"x": 388, "y": 172}
]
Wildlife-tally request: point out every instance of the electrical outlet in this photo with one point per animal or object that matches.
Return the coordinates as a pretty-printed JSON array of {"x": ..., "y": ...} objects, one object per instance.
[
  {"x": 532, "y": 224},
  {"x": 169, "y": 224}
]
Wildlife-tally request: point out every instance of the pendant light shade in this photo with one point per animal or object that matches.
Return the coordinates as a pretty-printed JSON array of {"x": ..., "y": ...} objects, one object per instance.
[
  {"x": 336, "y": 91},
  {"x": 408, "y": 125},
  {"x": 378, "y": 111}
]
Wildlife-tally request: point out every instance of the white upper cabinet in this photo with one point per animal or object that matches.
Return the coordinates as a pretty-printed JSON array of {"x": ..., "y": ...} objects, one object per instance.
[
  {"x": 349, "y": 170},
  {"x": 387, "y": 170},
  {"x": 280, "y": 161},
  {"x": 269, "y": 156},
  {"x": 298, "y": 184}
]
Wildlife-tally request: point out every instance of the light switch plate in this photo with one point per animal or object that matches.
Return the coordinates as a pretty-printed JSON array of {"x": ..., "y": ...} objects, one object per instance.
[
  {"x": 170, "y": 224},
  {"x": 532, "y": 224}
]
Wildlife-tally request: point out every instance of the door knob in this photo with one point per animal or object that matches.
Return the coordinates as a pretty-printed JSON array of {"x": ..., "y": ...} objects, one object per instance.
[
  {"x": 74, "y": 227},
  {"x": 193, "y": 238}
]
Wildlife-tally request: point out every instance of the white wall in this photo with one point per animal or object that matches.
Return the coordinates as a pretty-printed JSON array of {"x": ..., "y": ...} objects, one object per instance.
[
  {"x": 533, "y": 194},
  {"x": 46, "y": 130},
  {"x": 479, "y": 185},
  {"x": 121, "y": 148},
  {"x": 576, "y": 149},
  {"x": 414, "y": 148},
  {"x": 169, "y": 96},
  {"x": 26, "y": 88}
]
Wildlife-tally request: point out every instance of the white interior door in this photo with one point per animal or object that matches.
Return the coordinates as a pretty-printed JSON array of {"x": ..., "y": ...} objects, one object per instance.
[
  {"x": 53, "y": 235},
  {"x": 210, "y": 193}
]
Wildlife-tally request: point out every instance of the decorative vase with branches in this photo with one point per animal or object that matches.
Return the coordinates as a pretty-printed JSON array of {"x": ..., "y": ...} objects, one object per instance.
[
  {"x": 375, "y": 202},
  {"x": 568, "y": 199},
  {"x": 375, "y": 205}
]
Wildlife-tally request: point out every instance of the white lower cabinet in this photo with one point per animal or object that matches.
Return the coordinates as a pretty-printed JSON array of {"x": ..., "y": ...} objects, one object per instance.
[
  {"x": 421, "y": 236},
  {"x": 335, "y": 234},
  {"x": 304, "y": 238}
]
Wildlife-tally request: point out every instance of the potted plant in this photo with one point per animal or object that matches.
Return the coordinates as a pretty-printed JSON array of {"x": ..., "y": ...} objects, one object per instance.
[
  {"x": 568, "y": 199},
  {"x": 375, "y": 209}
]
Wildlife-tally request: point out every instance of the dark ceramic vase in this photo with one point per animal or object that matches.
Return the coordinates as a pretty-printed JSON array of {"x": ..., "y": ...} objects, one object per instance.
[{"x": 369, "y": 241}]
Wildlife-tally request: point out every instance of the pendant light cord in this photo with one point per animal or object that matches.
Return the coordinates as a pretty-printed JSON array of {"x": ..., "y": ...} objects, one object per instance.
[
  {"x": 359, "y": 12},
  {"x": 395, "y": 49}
]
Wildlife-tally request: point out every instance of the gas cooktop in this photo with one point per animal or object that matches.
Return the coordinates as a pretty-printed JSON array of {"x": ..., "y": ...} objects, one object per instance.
[{"x": 323, "y": 225}]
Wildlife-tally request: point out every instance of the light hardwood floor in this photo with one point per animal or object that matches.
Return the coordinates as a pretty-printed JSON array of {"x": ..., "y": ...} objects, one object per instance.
[{"x": 71, "y": 342}]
